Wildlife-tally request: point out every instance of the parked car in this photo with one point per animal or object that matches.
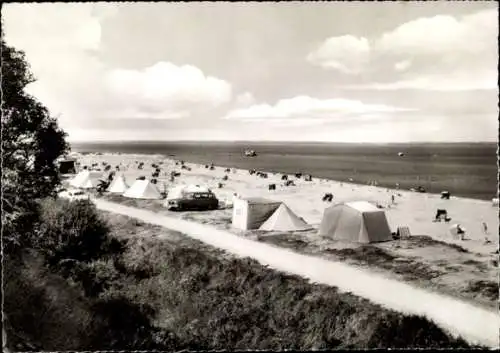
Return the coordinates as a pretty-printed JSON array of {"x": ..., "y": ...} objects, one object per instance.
[
  {"x": 191, "y": 198},
  {"x": 73, "y": 195}
]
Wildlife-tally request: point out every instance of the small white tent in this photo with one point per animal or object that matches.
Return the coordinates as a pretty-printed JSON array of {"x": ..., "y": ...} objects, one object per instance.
[
  {"x": 251, "y": 213},
  {"x": 358, "y": 221},
  {"x": 85, "y": 180},
  {"x": 118, "y": 185},
  {"x": 284, "y": 219},
  {"x": 143, "y": 189}
]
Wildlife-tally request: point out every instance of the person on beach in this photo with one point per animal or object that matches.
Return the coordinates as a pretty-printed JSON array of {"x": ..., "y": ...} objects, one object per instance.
[
  {"x": 485, "y": 231},
  {"x": 460, "y": 232}
]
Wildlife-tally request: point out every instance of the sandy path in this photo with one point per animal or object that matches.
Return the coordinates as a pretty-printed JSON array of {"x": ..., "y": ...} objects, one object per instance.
[{"x": 476, "y": 325}]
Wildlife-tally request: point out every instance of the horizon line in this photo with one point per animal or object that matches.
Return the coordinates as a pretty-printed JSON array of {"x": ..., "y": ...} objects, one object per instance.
[{"x": 280, "y": 141}]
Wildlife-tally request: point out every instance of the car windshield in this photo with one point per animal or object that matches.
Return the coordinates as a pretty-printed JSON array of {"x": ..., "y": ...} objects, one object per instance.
[{"x": 202, "y": 195}]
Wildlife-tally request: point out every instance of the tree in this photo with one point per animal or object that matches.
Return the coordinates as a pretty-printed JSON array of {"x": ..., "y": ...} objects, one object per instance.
[{"x": 31, "y": 143}]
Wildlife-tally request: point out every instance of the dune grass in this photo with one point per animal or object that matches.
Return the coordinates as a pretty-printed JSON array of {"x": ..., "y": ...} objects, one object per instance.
[
  {"x": 213, "y": 301},
  {"x": 165, "y": 291}
]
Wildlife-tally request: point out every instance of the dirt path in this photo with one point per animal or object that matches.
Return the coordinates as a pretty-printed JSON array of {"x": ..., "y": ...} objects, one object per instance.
[{"x": 476, "y": 325}]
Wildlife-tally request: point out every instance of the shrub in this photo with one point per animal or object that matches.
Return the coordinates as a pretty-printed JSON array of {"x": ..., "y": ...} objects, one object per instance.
[
  {"x": 74, "y": 231},
  {"x": 122, "y": 325},
  {"x": 95, "y": 277},
  {"x": 44, "y": 312}
]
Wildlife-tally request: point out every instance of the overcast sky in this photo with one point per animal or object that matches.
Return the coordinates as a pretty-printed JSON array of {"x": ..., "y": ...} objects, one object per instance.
[{"x": 316, "y": 71}]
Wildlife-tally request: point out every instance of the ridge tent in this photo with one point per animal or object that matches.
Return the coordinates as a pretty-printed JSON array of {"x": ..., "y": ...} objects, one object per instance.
[
  {"x": 118, "y": 185},
  {"x": 358, "y": 221},
  {"x": 143, "y": 189},
  {"x": 284, "y": 219},
  {"x": 252, "y": 212},
  {"x": 85, "y": 180}
]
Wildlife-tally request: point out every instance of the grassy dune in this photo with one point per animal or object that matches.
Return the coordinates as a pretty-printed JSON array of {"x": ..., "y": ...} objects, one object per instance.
[
  {"x": 213, "y": 301},
  {"x": 169, "y": 292}
]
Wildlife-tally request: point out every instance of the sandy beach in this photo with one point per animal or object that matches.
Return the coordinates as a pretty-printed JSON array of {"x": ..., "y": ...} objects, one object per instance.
[
  {"x": 415, "y": 210},
  {"x": 432, "y": 258}
]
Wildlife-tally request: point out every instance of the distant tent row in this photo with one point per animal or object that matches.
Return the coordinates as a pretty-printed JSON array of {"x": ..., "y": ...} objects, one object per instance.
[
  {"x": 140, "y": 189},
  {"x": 359, "y": 221}
]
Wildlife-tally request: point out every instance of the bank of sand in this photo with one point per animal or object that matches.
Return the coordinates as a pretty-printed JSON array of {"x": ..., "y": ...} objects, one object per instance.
[{"x": 465, "y": 270}]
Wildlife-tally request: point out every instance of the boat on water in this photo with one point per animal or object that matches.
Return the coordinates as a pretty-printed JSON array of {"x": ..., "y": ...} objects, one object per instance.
[{"x": 250, "y": 153}]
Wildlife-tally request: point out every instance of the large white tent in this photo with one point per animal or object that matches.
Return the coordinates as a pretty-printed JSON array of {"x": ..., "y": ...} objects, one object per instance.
[
  {"x": 118, "y": 185},
  {"x": 358, "y": 221},
  {"x": 284, "y": 219},
  {"x": 143, "y": 189},
  {"x": 85, "y": 180},
  {"x": 252, "y": 212}
]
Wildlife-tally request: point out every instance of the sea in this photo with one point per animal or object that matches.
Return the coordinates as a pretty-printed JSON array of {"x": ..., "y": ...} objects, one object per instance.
[{"x": 464, "y": 169}]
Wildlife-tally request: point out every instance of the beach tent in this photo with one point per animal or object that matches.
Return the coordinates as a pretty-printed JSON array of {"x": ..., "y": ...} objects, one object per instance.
[
  {"x": 358, "y": 221},
  {"x": 252, "y": 212},
  {"x": 85, "y": 180},
  {"x": 118, "y": 185},
  {"x": 143, "y": 189},
  {"x": 284, "y": 219}
]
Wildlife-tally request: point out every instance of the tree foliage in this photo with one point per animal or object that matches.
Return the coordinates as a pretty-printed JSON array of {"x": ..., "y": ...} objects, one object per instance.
[
  {"x": 75, "y": 232},
  {"x": 31, "y": 143}
]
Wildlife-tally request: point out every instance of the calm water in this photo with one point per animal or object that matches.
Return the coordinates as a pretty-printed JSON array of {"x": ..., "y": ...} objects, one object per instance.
[{"x": 467, "y": 170}]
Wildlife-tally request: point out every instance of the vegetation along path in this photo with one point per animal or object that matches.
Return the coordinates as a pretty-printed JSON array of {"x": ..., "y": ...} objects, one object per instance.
[{"x": 476, "y": 325}]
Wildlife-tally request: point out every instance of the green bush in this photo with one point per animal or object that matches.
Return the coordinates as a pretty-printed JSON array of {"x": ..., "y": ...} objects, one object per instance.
[
  {"x": 95, "y": 277},
  {"x": 74, "y": 231}
]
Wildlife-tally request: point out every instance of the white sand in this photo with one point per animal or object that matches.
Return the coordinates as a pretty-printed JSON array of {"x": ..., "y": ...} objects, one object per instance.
[{"x": 412, "y": 209}]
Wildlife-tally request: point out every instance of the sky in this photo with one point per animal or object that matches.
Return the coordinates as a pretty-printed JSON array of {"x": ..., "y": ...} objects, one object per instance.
[{"x": 277, "y": 71}]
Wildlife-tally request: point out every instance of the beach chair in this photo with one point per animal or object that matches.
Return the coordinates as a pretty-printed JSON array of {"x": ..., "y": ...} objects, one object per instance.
[
  {"x": 445, "y": 195},
  {"x": 403, "y": 232},
  {"x": 440, "y": 215},
  {"x": 328, "y": 197}
]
